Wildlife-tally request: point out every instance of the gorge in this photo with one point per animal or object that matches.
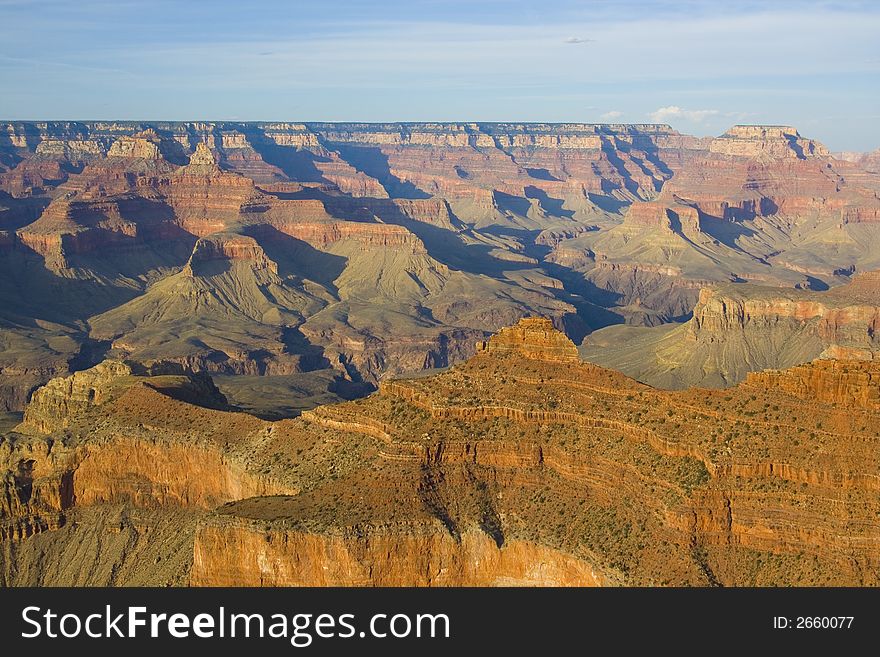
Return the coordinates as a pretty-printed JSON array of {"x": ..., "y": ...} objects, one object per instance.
[{"x": 436, "y": 354}]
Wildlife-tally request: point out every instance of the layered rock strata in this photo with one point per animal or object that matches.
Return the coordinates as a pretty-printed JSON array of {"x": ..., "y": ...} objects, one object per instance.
[
  {"x": 737, "y": 329},
  {"x": 372, "y": 249},
  {"x": 516, "y": 467}
]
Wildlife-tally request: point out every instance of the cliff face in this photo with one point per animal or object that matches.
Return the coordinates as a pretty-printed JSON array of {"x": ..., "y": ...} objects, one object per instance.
[
  {"x": 149, "y": 475},
  {"x": 66, "y": 399},
  {"x": 517, "y": 467},
  {"x": 143, "y": 146},
  {"x": 60, "y": 401},
  {"x": 841, "y": 320},
  {"x": 229, "y": 247},
  {"x": 737, "y": 329},
  {"x": 237, "y": 553},
  {"x": 772, "y": 141},
  {"x": 84, "y": 461},
  {"x": 850, "y": 384}
]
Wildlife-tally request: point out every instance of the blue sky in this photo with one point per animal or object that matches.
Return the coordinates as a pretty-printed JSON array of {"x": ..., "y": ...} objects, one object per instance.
[{"x": 700, "y": 66}]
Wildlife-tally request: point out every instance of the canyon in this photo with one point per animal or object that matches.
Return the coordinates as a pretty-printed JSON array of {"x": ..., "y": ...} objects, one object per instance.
[
  {"x": 737, "y": 329},
  {"x": 436, "y": 354},
  {"x": 324, "y": 257},
  {"x": 521, "y": 465}
]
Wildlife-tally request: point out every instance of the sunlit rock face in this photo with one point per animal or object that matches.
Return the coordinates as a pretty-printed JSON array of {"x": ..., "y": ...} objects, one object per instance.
[
  {"x": 305, "y": 264},
  {"x": 519, "y": 466}
]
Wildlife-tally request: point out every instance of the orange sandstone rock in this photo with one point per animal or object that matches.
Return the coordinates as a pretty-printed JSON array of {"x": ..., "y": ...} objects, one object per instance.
[{"x": 532, "y": 337}]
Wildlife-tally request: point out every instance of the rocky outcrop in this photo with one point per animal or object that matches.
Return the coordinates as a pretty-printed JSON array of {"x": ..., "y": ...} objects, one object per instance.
[
  {"x": 93, "y": 464},
  {"x": 144, "y": 148},
  {"x": 63, "y": 399},
  {"x": 737, "y": 329},
  {"x": 78, "y": 149},
  {"x": 842, "y": 318},
  {"x": 670, "y": 219},
  {"x": 847, "y": 383},
  {"x": 766, "y": 140},
  {"x": 229, "y": 246},
  {"x": 718, "y": 311},
  {"x": 365, "y": 234},
  {"x": 146, "y": 145},
  {"x": 532, "y": 337},
  {"x": 203, "y": 157}
]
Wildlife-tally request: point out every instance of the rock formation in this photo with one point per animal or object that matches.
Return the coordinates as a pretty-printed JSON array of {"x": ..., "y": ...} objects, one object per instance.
[
  {"x": 143, "y": 146},
  {"x": 202, "y": 157},
  {"x": 60, "y": 401},
  {"x": 64, "y": 400},
  {"x": 853, "y": 384},
  {"x": 359, "y": 251},
  {"x": 532, "y": 337},
  {"x": 520, "y": 466},
  {"x": 737, "y": 329},
  {"x": 773, "y": 141}
]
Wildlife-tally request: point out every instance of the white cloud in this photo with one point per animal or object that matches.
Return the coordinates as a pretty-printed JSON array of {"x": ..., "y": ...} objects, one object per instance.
[
  {"x": 760, "y": 57},
  {"x": 665, "y": 114},
  {"x": 610, "y": 116},
  {"x": 740, "y": 116}
]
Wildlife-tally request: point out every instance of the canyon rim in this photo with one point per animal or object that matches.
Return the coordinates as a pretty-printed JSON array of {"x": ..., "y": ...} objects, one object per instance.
[{"x": 378, "y": 354}]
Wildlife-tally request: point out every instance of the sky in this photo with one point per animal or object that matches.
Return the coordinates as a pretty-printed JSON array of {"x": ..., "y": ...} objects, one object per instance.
[{"x": 699, "y": 66}]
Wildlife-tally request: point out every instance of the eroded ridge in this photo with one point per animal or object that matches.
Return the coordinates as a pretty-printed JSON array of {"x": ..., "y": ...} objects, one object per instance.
[{"x": 515, "y": 467}]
